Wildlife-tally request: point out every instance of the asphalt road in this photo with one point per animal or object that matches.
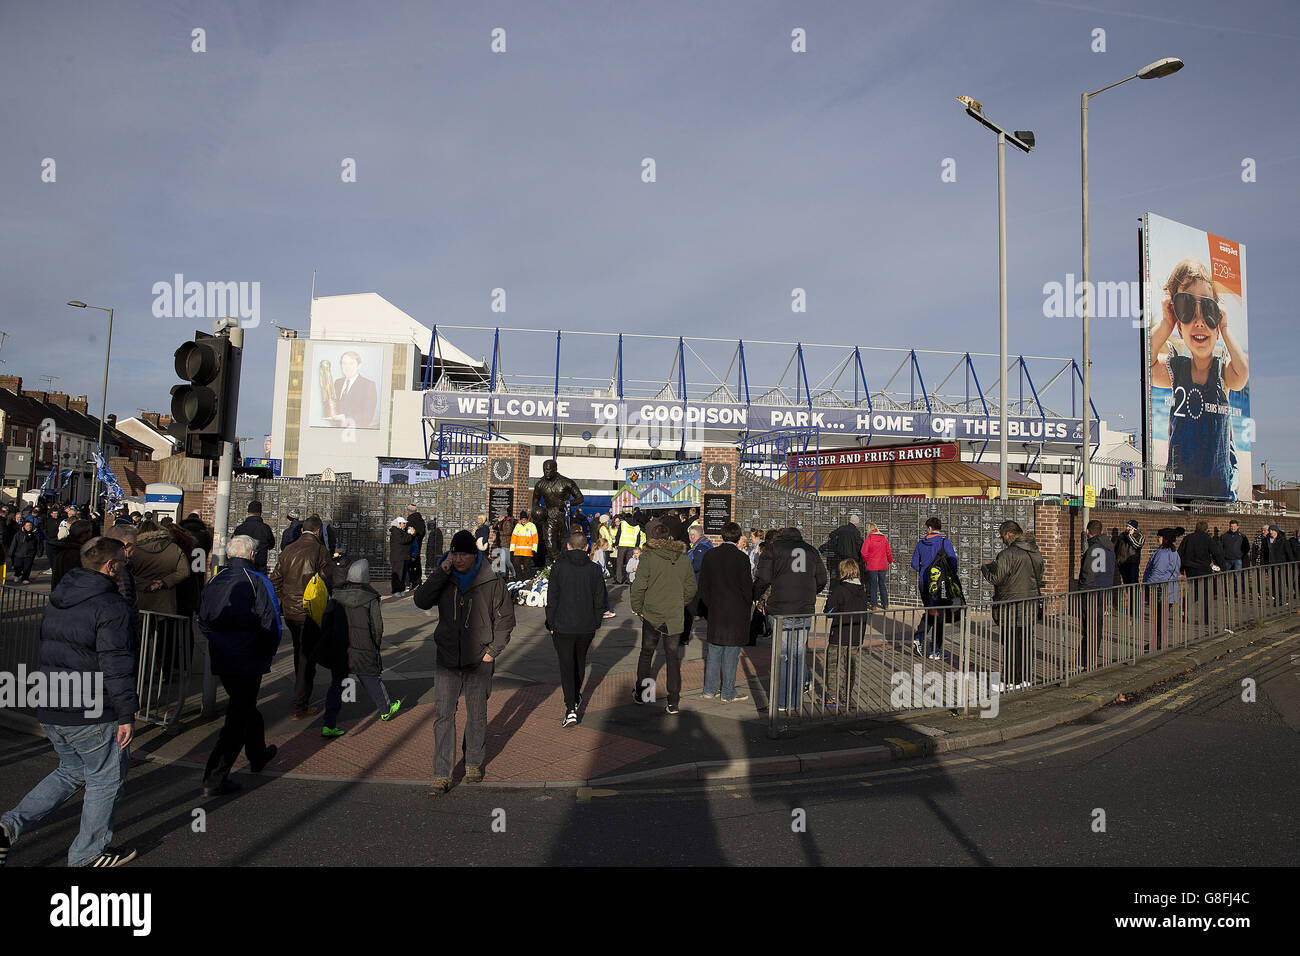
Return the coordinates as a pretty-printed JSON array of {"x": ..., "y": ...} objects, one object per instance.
[{"x": 1187, "y": 774}]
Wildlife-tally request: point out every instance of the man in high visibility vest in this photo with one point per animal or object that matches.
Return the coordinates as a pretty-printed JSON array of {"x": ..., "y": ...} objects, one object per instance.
[
  {"x": 627, "y": 538},
  {"x": 523, "y": 546}
]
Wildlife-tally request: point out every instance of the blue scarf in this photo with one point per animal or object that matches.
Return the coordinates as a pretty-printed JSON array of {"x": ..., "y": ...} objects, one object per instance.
[{"x": 463, "y": 581}]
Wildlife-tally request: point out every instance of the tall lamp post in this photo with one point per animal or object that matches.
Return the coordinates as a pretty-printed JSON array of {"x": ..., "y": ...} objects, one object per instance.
[
  {"x": 103, "y": 403},
  {"x": 1024, "y": 140},
  {"x": 1152, "y": 71}
]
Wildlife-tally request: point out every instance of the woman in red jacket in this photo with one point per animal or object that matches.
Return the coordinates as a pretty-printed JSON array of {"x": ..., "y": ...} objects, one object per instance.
[{"x": 877, "y": 557}]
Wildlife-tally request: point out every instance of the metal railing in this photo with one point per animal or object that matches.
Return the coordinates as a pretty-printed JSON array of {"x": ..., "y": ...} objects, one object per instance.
[
  {"x": 848, "y": 666},
  {"x": 164, "y": 653}
]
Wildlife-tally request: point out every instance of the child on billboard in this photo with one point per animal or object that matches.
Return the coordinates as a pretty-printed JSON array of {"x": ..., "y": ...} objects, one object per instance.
[{"x": 1202, "y": 375}]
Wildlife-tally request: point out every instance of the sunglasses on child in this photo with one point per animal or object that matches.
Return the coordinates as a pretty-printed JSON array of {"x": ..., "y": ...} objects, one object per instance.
[{"x": 1185, "y": 309}]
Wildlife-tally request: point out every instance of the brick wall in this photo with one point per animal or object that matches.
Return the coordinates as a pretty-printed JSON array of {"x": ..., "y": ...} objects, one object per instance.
[
  {"x": 720, "y": 455},
  {"x": 518, "y": 456}
]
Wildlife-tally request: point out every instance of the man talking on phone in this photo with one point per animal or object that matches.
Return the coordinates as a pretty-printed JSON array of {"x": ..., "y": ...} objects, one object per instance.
[{"x": 475, "y": 618}]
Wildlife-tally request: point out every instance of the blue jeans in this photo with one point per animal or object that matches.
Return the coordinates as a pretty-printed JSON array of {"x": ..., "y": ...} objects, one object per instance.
[
  {"x": 877, "y": 582},
  {"x": 88, "y": 756},
  {"x": 720, "y": 671},
  {"x": 1234, "y": 565},
  {"x": 794, "y": 669}
]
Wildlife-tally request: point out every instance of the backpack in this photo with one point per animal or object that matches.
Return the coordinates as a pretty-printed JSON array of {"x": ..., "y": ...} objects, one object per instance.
[{"x": 940, "y": 585}]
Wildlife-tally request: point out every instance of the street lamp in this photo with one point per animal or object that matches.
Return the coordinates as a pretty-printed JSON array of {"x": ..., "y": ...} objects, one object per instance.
[
  {"x": 103, "y": 404},
  {"x": 1024, "y": 140},
  {"x": 1152, "y": 71}
]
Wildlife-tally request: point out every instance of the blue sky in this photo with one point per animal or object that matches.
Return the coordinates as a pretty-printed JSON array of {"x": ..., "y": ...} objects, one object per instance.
[{"x": 522, "y": 170}]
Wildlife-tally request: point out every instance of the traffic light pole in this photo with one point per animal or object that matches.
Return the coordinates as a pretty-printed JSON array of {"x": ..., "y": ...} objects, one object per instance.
[{"x": 221, "y": 518}]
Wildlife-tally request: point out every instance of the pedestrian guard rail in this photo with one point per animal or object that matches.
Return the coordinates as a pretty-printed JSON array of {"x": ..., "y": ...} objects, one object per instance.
[
  {"x": 164, "y": 653},
  {"x": 837, "y": 667}
]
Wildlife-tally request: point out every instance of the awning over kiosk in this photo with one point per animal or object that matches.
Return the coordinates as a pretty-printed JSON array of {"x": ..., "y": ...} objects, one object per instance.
[{"x": 922, "y": 479}]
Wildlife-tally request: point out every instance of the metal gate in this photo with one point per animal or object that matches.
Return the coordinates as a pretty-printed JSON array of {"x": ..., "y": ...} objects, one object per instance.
[
  {"x": 462, "y": 447},
  {"x": 787, "y": 455}
]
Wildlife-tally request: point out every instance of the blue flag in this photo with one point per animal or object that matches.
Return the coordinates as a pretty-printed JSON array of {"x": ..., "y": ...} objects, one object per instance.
[{"x": 112, "y": 494}]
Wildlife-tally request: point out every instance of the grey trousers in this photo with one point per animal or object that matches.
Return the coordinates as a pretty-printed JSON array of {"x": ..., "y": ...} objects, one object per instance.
[{"x": 448, "y": 687}]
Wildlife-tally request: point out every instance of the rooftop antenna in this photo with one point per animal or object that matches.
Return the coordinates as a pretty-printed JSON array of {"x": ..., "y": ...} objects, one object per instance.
[
  {"x": 50, "y": 379},
  {"x": 3, "y": 336}
]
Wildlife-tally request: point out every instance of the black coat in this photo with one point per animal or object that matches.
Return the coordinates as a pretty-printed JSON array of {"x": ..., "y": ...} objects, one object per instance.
[
  {"x": 576, "y": 598},
  {"x": 87, "y": 629},
  {"x": 793, "y": 592},
  {"x": 846, "y": 540},
  {"x": 1235, "y": 546},
  {"x": 259, "y": 531},
  {"x": 240, "y": 617},
  {"x": 64, "y": 557},
  {"x": 23, "y": 546},
  {"x": 399, "y": 547},
  {"x": 847, "y": 598},
  {"x": 291, "y": 534},
  {"x": 726, "y": 595},
  {"x": 351, "y": 631},
  {"x": 1198, "y": 551},
  {"x": 1097, "y": 565},
  {"x": 416, "y": 520}
]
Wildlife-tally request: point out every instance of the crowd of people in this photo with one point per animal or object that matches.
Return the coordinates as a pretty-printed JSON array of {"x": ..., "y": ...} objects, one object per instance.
[{"x": 102, "y": 578}]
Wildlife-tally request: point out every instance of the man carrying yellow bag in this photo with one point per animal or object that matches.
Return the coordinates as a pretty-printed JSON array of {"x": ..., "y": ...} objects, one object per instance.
[{"x": 303, "y": 571}]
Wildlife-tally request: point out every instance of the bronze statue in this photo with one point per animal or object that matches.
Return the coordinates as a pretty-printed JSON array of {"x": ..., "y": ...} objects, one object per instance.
[{"x": 553, "y": 495}]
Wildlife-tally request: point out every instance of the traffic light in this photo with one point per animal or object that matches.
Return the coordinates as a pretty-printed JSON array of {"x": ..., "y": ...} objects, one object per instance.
[{"x": 208, "y": 405}]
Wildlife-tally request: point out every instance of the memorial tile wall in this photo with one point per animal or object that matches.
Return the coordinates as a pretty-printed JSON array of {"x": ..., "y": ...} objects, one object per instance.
[
  {"x": 972, "y": 525},
  {"x": 360, "y": 512}
]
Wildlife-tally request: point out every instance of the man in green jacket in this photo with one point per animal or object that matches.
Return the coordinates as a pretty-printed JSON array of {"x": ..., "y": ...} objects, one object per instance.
[{"x": 664, "y": 585}]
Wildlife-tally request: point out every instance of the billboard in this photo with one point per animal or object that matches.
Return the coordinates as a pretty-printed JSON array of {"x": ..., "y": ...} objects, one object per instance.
[
  {"x": 348, "y": 384},
  {"x": 1195, "y": 358}
]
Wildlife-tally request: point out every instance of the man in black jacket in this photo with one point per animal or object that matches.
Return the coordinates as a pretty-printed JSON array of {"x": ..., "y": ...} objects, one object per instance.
[
  {"x": 726, "y": 598},
  {"x": 259, "y": 531},
  {"x": 846, "y": 542},
  {"x": 1128, "y": 553},
  {"x": 796, "y": 573},
  {"x": 88, "y": 710},
  {"x": 1201, "y": 556},
  {"x": 239, "y": 617},
  {"x": 1096, "y": 572},
  {"x": 576, "y": 599}
]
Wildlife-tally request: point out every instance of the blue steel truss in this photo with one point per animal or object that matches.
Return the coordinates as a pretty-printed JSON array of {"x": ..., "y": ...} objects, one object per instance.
[
  {"x": 461, "y": 447},
  {"x": 767, "y": 455}
]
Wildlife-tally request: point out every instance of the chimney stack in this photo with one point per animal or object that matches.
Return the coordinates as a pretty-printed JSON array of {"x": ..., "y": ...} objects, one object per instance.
[
  {"x": 42, "y": 397},
  {"x": 110, "y": 421},
  {"x": 164, "y": 422},
  {"x": 59, "y": 399},
  {"x": 12, "y": 382},
  {"x": 79, "y": 404},
  {"x": 150, "y": 419}
]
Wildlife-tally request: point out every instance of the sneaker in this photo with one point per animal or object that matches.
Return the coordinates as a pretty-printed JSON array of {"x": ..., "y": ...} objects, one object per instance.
[
  {"x": 570, "y": 719},
  {"x": 331, "y": 731},
  {"x": 222, "y": 788},
  {"x": 831, "y": 703},
  {"x": 392, "y": 711},
  {"x": 916, "y": 643},
  {"x": 735, "y": 700},
  {"x": 710, "y": 696},
  {"x": 936, "y": 656},
  {"x": 440, "y": 786},
  {"x": 113, "y": 856},
  {"x": 5, "y": 844},
  {"x": 608, "y": 614},
  {"x": 473, "y": 774},
  {"x": 266, "y": 759},
  {"x": 672, "y": 709},
  {"x": 306, "y": 713}
]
